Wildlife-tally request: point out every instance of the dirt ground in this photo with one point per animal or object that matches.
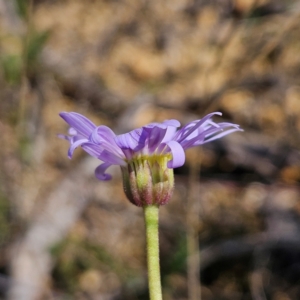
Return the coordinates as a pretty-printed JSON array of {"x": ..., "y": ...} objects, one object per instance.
[{"x": 233, "y": 222}]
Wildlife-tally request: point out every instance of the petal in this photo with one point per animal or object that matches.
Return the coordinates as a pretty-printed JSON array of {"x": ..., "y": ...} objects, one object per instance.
[
  {"x": 111, "y": 158},
  {"x": 75, "y": 145},
  {"x": 72, "y": 131},
  {"x": 172, "y": 122},
  {"x": 149, "y": 136},
  {"x": 100, "y": 172},
  {"x": 164, "y": 124},
  {"x": 156, "y": 135},
  {"x": 184, "y": 132},
  {"x": 224, "y": 133},
  {"x": 79, "y": 123},
  {"x": 129, "y": 140},
  {"x": 169, "y": 135},
  {"x": 64, "y": 137},
  {"x": 100, "y": 153},
  {"x": 178, "y": 154},
  {"x": 199, "y": 137},
  {"x": 102, "y": 133},
  {"x": 92, "y": 149},
  {"x": 105, "y": 137}
]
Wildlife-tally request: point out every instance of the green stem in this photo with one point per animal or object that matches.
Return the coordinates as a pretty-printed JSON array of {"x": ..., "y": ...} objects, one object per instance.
[{"x": 151, "y": 222}]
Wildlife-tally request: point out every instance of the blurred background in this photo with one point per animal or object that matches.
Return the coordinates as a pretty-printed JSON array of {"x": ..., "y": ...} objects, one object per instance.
[{"x": 233, "y": 222}]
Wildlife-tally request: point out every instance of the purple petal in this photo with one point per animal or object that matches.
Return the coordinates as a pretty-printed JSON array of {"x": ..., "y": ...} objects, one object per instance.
[
  {"x": 164, "y": 124},
  {"x": 92, "y": 149},
  {"x": 105, "y": 137},
  {"x": 172, "y": 122},
  {"x": 156, "y": 135},
  {"x": 72, "y": 131},
  {"x": 224, "y": 133},
  {"x": 128, "y": 153},
  {"x": 149, "y": 136},
  {"x": 75, "y": 145},
  {"x": 183, "y": 133},
  {"x": 79, "y": 123},
  {"x": 100, "y": 153},
  {"x": 159, "y": 136},
  {"x": 199, "y": 137},
  {"x": 111, "y": 158},
  {"x": 100, "y": 172},
  {"x": 132, "y": 140},
  {"x": 64, "y": 137},
  {"x": 102, "y": 133},
  {"x": 171, "y": 131},
  {"x": 178, "y": 154}
]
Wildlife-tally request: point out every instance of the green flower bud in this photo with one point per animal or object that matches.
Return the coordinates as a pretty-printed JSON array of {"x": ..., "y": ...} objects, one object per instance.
[{"x": 147, "y": 180}]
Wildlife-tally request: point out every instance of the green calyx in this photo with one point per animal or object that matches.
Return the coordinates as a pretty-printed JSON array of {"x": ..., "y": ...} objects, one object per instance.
[{"x": 147, "y": 180}]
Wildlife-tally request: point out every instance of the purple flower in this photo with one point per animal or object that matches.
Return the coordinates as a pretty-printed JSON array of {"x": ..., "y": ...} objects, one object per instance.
[{"x": 146, "y": 147}]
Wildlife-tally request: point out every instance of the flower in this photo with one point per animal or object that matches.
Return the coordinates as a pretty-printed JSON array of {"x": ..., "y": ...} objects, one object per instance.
[{"x": 146, "y": 155}]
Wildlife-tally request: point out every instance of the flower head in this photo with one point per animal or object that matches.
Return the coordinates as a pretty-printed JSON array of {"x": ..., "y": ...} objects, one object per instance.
[{"x": 146, "y": 155}]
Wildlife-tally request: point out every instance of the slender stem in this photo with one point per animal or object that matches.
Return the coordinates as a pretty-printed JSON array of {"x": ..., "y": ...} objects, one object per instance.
[{"x": 151, "y": 222}]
